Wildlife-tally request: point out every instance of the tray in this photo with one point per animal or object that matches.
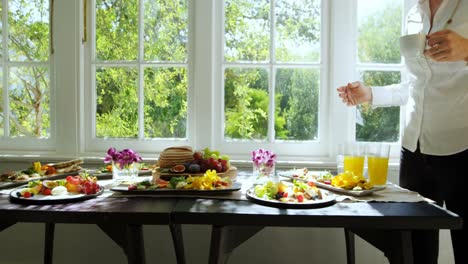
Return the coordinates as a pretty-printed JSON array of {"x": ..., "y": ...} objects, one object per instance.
[
  {"x": 11, "y": 184},
  {"x": 164, "y": 191},
  {"x": 39, "y": 199},
  {"x": 328, "y": 200},
  {"x": 288, "y": 174},
  {"x": 349, "y": 192}
]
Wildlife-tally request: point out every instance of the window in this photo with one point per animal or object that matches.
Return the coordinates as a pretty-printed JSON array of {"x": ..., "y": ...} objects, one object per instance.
[
  {"x": 233, "y": 75},
  {"x": 378, "y": 64},
  {"x": 139, "y": 69},
  {"x": 26, "y": 112},
  {"x": 273, "y": 67}
]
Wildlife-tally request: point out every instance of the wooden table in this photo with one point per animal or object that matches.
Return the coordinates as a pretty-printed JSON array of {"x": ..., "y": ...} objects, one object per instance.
[{"x": 385, "y": 225}]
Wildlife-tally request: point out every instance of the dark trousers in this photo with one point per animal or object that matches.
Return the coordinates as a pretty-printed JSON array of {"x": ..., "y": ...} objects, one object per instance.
[{"x": 442, "y": 179}]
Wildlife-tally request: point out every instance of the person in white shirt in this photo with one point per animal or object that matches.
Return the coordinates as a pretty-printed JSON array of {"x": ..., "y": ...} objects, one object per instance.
[{"x": 434, "y": 156}]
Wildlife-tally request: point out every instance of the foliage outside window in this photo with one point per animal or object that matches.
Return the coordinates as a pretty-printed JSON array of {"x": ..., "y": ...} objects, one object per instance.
[
  {"x": 25, "y": 90},
  {"x": 140, "y": 66},
  {"x": 272, "y": 68},
  {"x": 379, "y": 29}
]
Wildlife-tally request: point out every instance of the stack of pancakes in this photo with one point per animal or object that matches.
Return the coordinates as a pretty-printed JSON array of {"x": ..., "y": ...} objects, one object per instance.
[{"x": 175, "y": 156}]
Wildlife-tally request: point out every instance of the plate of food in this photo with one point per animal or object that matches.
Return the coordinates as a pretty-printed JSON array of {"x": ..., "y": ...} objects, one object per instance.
[
  {"x": 344, "y": 183},
  {"x": 298, "y": 194},
  {"x": 72, "y": 189},
  {"x": 209, "y": 183},
  {"x": 37, "y": 171}
]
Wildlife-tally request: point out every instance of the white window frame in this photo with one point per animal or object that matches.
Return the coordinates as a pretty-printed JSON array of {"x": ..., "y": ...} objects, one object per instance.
[
  {"x": 287, "y": 150},
  {"x": 24, "y": 143},
  {"x": 94, "y": 144},
  {"x": 71, "y": 126}
]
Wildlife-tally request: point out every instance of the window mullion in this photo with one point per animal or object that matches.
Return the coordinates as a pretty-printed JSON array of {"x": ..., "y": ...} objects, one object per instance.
[
  {"x": 272, "y": 81},
  {"x": 6, "y": 106},
  {"x": 141, "y": 70}
]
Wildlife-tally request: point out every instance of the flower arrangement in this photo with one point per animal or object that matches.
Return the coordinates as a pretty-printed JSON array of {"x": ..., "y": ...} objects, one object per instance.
[
  {"x": 123, "y": 159},
  {"x": 263, "y": 162}
]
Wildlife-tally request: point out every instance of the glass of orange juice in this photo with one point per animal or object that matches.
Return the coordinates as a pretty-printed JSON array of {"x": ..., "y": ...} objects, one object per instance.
[
  {"x": 351, "y": 156},
  {"x": 377, "y": 163}
]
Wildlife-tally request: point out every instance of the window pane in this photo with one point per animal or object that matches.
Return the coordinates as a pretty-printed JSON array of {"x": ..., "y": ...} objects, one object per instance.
[
  {"x": 379, "y": 23},
  {"x": 2, "y": 132},
  {"x": 380, "y": 124},
  {"x": 165, "y": 102},
  {"x": 117, "y": 102},
  {"x": 166, "y": 30},
  {"x": 246, "y": 103},
  {"x": 116, "y": 30},
  {"x": 247, "y": 30},
  {"x": 1, "y": 30},
  {"x": 29, "y": 102},
  {"x": 298, "y": 30},
  {"x": 297, "y": 100},
  {"x": 28, "y": 30}
]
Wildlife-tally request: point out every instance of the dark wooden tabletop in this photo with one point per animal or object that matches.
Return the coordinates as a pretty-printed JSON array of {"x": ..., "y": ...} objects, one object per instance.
[
  {"x": 376, "y": 215},
  {"x": 134, "y": 210},
  {"x": 147, "y": 210}
]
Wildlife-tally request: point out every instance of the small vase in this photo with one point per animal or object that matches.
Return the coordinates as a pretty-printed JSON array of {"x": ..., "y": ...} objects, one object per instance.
[
  {"x": 264, "y": 172},
  {"x": 127, "y": 173}
]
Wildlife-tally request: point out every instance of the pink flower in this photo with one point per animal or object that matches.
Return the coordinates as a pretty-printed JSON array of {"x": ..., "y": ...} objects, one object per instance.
[{"x": 262, "y": 156}]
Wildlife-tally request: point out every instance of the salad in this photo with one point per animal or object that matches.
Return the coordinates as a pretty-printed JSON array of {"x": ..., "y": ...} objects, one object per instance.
[
  {"x": 296, "y": 192},
  {"x": 71, "y": 185}
]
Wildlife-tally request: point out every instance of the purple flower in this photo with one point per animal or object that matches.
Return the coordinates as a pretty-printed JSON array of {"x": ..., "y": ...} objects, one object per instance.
[
  {"x": 124, "y": 158},
  {"x": 262, "y": 156}
]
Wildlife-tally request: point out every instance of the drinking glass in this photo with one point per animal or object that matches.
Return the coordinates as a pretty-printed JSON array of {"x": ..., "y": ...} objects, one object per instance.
[
  {"x": 377, "y": 163},
  {"x": 351, "y": 158}
]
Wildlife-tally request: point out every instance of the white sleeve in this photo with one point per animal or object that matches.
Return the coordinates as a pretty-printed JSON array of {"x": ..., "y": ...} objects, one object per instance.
[{"x": 390, "y": 95}]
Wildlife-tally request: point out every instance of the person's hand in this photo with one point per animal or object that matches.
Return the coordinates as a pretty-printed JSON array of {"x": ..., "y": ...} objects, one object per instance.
[
  {"x": 447, "y": 45},
  {"x": 354, "y": 93}
]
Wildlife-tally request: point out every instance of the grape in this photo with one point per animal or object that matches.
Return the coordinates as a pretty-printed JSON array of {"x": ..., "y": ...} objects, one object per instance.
[
  {"x": 260, "y": 190},
  {"x": 224, "y": 157},
  {"x": 271, "y": 188}
]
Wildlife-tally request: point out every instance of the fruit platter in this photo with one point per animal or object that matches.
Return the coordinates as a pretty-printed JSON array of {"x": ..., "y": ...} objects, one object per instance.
[
  {"x": 72, "y": 189},
  {"x": 38, "y": 171},
  {"x": 210, "y": 182},
  {"x": 183, "y": 161},
  {"x": 345, "y": 183},
  {"x": 296, "y": 194}
]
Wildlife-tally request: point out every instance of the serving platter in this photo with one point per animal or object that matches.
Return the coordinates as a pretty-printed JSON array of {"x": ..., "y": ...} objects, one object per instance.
[
  {"x": 311, "y": 176},
  {"x": 328, "y": 199},
  {"x": 357, "y": 193},
  {"x": 40, "y": 199},
  {"x": 166, "y": 191},
  {"x": 11, "y": 184}
]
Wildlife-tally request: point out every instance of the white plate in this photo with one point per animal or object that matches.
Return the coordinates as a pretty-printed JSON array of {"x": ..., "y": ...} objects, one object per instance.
[{"x": 327, "y": 200}]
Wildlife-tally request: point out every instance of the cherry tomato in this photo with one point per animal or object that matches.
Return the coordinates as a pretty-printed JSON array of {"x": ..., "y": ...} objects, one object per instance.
[{"x": 300, "y": 198}]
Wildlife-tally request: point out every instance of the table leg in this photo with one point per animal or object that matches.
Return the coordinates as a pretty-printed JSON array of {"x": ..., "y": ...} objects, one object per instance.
[
  {"x": 224, "y": 239},
  {"x": 396, "y": 244},
  {"x": 350, "y": 248},
  {"x": 49, "y": 243},
  {"x": 129, "y": 238},
  {"x": 178, "y": 241}
]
